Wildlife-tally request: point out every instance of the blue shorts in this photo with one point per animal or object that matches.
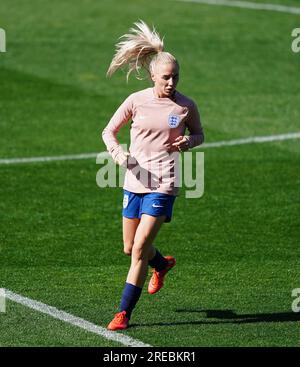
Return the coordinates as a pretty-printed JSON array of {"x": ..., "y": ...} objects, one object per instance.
[{"x": 153, "y": 203}]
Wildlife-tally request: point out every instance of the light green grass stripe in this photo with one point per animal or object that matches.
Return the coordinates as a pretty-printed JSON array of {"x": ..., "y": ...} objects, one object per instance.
[
  {"x": 77, "y": 321},
  {"x": 250, "y": 140},
  {"x": 248, "y": 5}
]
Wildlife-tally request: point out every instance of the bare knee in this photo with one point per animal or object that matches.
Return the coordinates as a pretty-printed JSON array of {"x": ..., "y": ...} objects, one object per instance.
[
  {"x": 128, "y": 248},
  {"x": 127, "y": 251}
]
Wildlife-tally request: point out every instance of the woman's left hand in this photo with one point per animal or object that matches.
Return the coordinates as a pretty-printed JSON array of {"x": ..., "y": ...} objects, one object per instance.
[{"x": 181, "y": 143}]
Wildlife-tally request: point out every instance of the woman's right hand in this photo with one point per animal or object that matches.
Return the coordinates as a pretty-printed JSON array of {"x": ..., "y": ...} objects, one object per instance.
[{"x": 122, "y": 159}]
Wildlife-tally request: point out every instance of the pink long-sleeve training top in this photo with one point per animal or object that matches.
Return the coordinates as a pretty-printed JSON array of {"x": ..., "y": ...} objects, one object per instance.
[{"x": 156, "y": 123}]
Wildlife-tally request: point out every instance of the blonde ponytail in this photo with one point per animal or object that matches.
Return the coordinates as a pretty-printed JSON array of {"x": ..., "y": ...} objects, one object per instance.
[{"x": 140, "y": 49}]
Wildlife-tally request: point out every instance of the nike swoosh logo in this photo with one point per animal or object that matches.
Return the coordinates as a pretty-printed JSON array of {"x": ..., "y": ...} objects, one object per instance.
[{"x": 157, "y": 206}]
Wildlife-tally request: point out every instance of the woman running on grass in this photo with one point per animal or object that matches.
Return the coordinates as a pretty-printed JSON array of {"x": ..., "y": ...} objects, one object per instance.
[{"x": 159, "y": 115}]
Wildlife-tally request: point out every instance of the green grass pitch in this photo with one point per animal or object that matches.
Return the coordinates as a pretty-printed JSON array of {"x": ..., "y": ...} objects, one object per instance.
[{"x": 237, "y": 247}]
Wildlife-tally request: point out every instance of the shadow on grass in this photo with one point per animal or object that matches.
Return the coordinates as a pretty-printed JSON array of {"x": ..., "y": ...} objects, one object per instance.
[{"x": 228, "y": 317}]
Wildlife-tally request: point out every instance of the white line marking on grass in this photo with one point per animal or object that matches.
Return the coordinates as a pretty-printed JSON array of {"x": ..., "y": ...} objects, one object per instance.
[
  {"x": 248, "y": 5},
  {"x": 73, "y": 320},
  {"x": 250, "y": 140},
  {"x": 53, "y": 158}
]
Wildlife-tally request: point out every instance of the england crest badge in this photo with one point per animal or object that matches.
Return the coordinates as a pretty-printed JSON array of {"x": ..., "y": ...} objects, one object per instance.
[{"x": 173, "y": 121}]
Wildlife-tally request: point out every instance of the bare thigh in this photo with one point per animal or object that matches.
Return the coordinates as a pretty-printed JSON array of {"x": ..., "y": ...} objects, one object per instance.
[{"x": 129, "y": 230}]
